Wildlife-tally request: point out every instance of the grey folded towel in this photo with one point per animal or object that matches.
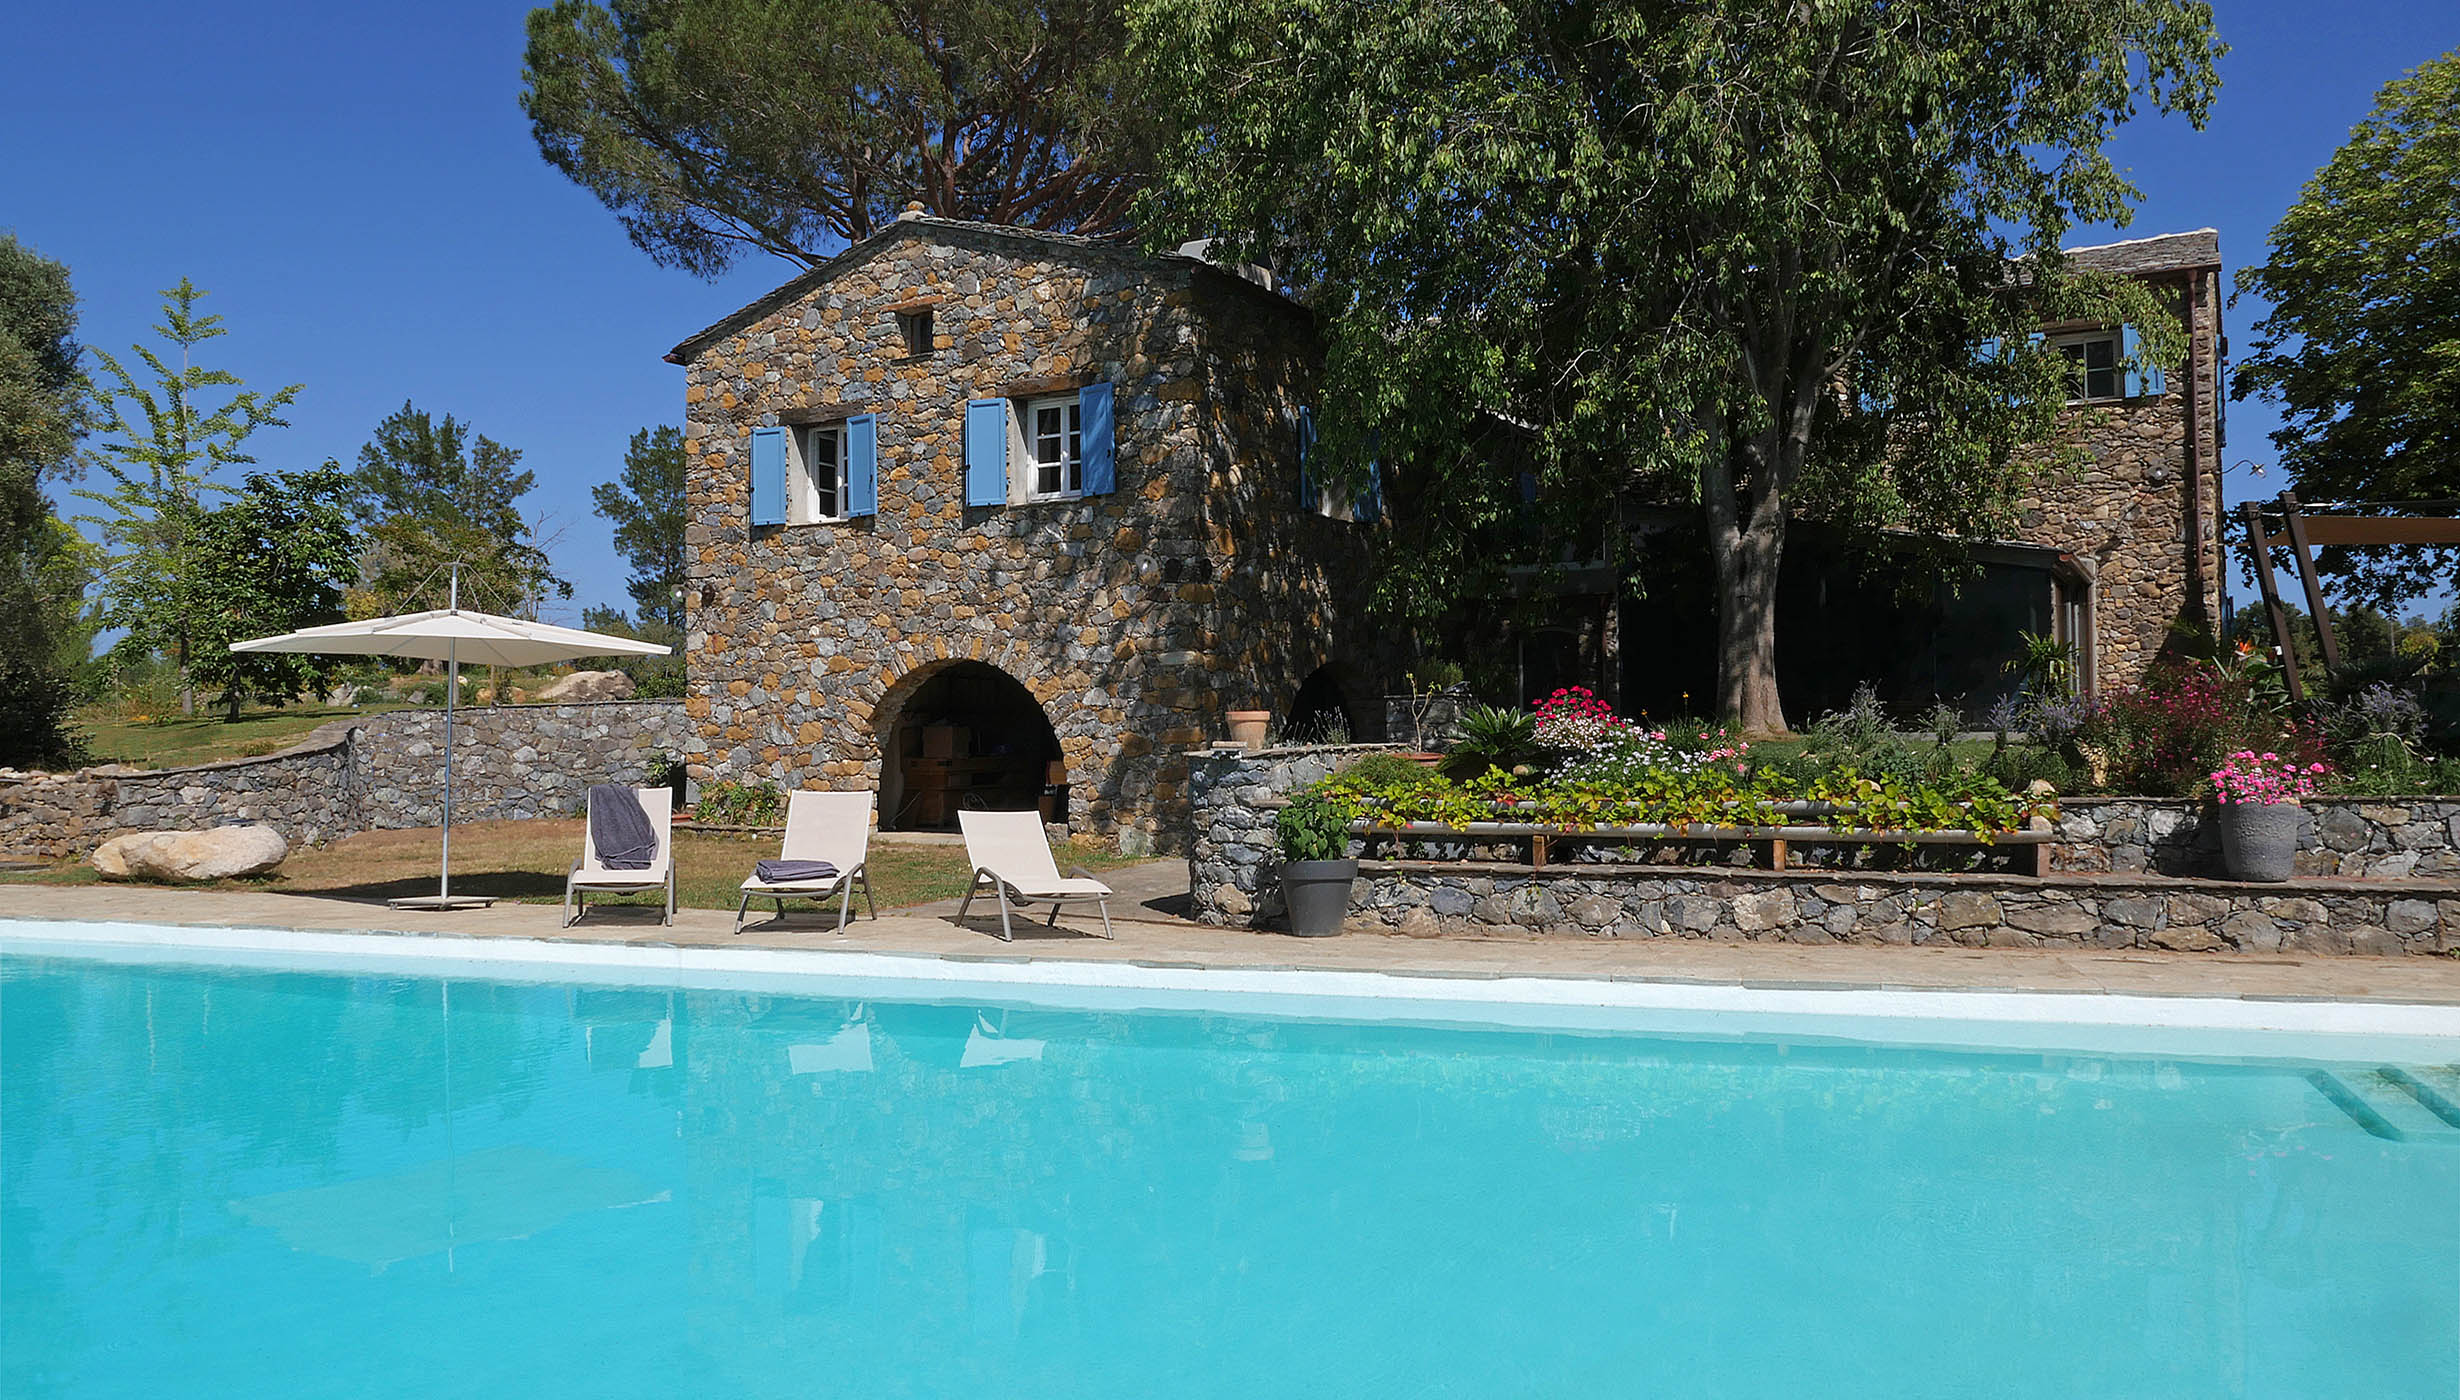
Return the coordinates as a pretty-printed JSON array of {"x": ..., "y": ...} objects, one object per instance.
[
  {"x": 793, "y": 872},
  {"x": 619, "y": 830}
]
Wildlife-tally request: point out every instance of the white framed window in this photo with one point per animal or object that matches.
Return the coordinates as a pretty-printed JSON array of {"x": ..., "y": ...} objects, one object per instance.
[
  {"x": 1054, "y": 456},
  {"x": 818, "y": 493},
  {"x": 2096, "y": 366}
]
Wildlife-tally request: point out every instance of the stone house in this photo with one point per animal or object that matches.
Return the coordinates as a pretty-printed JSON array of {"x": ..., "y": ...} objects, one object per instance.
[
  {"x": 986, "y": 516},
  {"x": 991, "y": 517},
  {"x": 2108, "y": 554}
]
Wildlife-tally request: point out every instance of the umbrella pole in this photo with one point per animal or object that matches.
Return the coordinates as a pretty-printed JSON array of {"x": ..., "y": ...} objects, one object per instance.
[{"x": 452, "y": 693}]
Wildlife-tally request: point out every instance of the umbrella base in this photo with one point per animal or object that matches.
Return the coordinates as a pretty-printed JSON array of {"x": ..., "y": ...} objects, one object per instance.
[{"x": 443, "y": 901}]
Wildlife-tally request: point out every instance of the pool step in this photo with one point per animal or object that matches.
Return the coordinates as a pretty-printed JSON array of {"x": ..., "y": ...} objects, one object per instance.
[{"x": 2398, "y": 1105}]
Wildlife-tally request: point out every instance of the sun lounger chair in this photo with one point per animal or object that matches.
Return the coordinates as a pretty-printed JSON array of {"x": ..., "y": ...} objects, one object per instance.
[
  {"x": 830, "y": 826},
  {"x": 1012, "y": 859},
  {"x": 589, "y": 877}
]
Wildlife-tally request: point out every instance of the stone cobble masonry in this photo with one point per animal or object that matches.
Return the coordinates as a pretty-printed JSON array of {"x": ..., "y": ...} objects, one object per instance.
[
  {"x": 382, "y": 771},
  {"x": 1135, "y": 618},
  {"x": 2376, "y": 877},
  {"x": 2139, "y": 507},
  {"x": 2384, "y": 918},
  {"x": 1233, "y": 857},
  {"x": 2373, "y": 837},
  {"x": 511, "y": 762}
]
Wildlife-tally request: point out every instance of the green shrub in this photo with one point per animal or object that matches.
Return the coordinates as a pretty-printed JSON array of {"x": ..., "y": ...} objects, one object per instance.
[
  {"x": 2165, "y": 737},
  {"x": 2017, "y": 766},
  {"x": 1382, "y": 770},
  {"x": 740, "y": 804},
  {"x": 1313, "y": 827},
  {"x": 1493, "y": 737}
]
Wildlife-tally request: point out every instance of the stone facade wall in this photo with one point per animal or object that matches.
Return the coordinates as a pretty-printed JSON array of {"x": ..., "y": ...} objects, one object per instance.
[
  {"x": 382, "y": 771},
  {"x": 2122, "y": 510},
  {"x": 1135, "y": 619}
]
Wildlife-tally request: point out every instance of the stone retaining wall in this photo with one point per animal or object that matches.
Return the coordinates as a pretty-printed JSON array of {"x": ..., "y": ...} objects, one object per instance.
[
  {"x": 377, "y": 772},
  {"x": 511, "y": 762},
  {"x": 2386, "y": 917},
  {"x": 1231, "y": 849},
  {"x": 2376, "y": 876},
  {"x": 2383, "y": 837}
]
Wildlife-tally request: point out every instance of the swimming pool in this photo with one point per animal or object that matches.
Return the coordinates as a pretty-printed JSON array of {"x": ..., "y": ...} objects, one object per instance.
[{"x": 267, "y": 1181}]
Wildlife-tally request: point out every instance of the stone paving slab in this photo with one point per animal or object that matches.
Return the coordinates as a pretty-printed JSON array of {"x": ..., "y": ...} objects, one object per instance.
[{"x": 1146, "y": 938}]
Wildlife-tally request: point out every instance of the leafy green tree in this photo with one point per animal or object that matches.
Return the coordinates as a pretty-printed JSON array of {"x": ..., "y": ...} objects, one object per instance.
[
  {"x": 438, "y": 492},
  {"x": 2362, "y": 345},
  {"x": 716, "y": 127},
  {"x": 45, "y": 567},
  {"x": 646, "y": 504},
  {"x": 163, "y": 442},
  {"x": 1751, "y": 256},
  {"x": 276, "y": 558}
]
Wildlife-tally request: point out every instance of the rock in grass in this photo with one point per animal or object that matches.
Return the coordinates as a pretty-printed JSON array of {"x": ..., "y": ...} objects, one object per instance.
[
  {"x": 584, "y": 686},
  {"x": 216, "y": 854}
]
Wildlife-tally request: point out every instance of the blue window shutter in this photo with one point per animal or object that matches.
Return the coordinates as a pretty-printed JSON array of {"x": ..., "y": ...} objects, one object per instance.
[
  {"x": 1306, "y": 458},
  {"x": 986, "y": 452},
  {"x": 1990, "y": 350},
  {"x": 1093, "y": 423},
  {"x": 768, "y": 476},
  {"x": 2140, "y": 382},
  {"x": 863, "y": 464}
]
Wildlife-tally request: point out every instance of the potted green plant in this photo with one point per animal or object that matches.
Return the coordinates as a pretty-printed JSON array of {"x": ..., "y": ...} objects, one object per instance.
[
  {"x": 2257, "y": 795},
  {"x": 1316, "y": 870}
]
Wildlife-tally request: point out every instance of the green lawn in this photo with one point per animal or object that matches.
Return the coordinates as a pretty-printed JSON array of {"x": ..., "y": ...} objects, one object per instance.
[
  {"x": 526, "y": 862},
  {"x": 176, "y": 741}
]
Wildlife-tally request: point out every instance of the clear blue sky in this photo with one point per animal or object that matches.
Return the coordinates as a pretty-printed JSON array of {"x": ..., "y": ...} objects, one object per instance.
[{"x": 358, "y": 189}]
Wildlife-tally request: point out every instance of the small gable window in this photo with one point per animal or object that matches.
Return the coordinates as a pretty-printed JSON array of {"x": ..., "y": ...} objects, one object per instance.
[
  {"x": 1054, "y": 448},
  {"x": 914, "y": 327},
  {"x": 2093, "y": 369}
]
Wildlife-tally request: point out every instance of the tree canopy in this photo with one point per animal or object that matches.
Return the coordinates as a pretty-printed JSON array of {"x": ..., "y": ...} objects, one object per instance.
[
  {"x": 435, "y": 491},
  {"x": 44, "y": 565},
  {"x": 167, "y": 432},
  {"x": 716, "y": 127},
  {"x": 1750, "y": 256},
  {"x": 646, "y": 505},
  {"x": 276, "y": 558},
  {"x": 2362, "y": 344}
]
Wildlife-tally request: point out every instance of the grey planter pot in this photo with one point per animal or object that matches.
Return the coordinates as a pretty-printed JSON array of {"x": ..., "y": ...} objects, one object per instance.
[
  {"x": 2259, "y": 842},
  {"x": 1318, "y": 894}
]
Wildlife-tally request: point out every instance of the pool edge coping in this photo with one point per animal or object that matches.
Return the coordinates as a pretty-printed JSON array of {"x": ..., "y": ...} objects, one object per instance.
[{"x": 2045, "y": 1018}]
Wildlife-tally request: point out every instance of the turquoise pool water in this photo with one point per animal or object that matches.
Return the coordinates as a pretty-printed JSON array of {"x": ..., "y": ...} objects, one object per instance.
[{"x": 218, "y": 1182}]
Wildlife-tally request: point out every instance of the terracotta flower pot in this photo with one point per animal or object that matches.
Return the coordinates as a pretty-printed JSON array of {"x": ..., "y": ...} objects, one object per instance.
[
  {"x": 1248, "y": 726},
  {"x": 2259, "y": 840}
]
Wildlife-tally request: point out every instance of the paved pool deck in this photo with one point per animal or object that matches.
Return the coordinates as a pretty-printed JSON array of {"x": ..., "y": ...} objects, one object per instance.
[{"x": 1150, "y": 936}]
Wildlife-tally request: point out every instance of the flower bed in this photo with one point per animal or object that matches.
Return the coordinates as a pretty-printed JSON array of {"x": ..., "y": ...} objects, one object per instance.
[{"x": 1588, "y": 770}]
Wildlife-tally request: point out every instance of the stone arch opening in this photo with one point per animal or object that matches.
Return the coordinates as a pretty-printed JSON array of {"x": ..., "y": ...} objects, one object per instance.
[
  {"x": 1322, "y": 711},
  {"x": 960, "y": 735}
]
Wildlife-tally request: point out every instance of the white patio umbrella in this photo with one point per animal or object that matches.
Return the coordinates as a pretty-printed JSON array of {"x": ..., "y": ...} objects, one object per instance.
[{"x": 452, "y": 636}]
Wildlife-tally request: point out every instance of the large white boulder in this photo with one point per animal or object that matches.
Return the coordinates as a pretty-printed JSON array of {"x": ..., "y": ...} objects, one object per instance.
[
  {"x": 216, "y": 854},
  {"x": 583, "y": 686}
]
